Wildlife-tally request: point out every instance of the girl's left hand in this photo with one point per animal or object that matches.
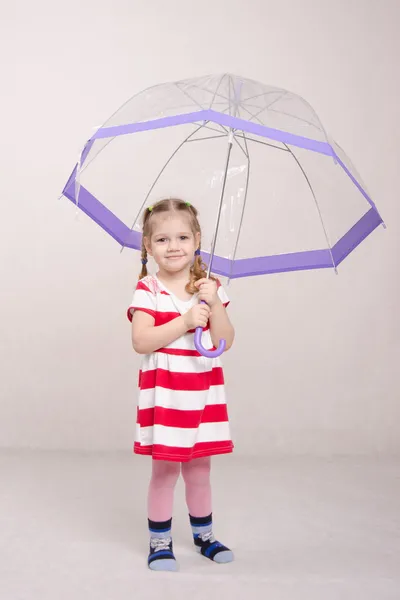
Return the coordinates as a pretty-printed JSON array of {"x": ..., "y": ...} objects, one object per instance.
[{"x": 208, "y": 291}]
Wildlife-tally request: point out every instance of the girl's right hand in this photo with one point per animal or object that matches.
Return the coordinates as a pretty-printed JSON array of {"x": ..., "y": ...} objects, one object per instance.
[{"x": 197, "y": 316}]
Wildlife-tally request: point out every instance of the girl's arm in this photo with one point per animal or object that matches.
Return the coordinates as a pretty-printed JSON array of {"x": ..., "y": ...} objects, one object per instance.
[
  {"x": 220, "y": 325},
  {"x": 146, "y": 338}
]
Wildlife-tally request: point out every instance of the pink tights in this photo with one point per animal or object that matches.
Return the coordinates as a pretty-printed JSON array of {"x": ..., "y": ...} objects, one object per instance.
[{"x": 165, "y": 474}]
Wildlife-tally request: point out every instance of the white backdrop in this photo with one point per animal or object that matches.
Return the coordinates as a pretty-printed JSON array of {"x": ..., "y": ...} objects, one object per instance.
[{"x": 315, "y": 366}]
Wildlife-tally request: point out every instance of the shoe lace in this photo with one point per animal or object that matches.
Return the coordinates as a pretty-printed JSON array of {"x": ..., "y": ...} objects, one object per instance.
[
  {"x": 207, "y": 537},
  {"x": 158, "y": 544}
]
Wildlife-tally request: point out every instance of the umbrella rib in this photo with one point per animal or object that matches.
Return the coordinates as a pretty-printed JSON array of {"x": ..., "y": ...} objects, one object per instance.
[
  {"x": 267, "y": 107},
  {"x": 356, "y": 174},
  {"x": 265, "y": 94},
  {"x": 257, "y": 113},
  {"x": 216, "y": 91},
  {"x": 214, "y": 240},
  {"x": 278, "y": 90},
  {"x": 228, "y": 99},
  {"x": 159, "y": 175},
  {"x": 189, "y": 96},
  {"x": 203, "y": 89},
  {"x": 312, "y": 192},
  {"x": 211, "y": 137},
  {"x": 250, "y": 97},
  {"x": 317, "y": 117},
  {"x": 282, "y": 112},
  {"x": 86, "y": 164},
  {"x": 316, "y": 204},
  {"x": 243, "y": 209},
  {"x": 244, "y": 99},
  {"x": 249, "y": 139},
  {"x": 276, "y": 100},
  {"x": 238, "y": 143},
  {"x": 213, "y": 128}
]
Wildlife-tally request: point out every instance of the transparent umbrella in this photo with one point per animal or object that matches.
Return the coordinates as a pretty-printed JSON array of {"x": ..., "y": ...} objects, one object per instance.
[{"x": 275, "y": 193}]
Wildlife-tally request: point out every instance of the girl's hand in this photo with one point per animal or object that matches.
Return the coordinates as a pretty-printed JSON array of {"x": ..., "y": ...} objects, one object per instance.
[
  {"x": 197, "y": 316},
  {"x": 207, "y": 290}
]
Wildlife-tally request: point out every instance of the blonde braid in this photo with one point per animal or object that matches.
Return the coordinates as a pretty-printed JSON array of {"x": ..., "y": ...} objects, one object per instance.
[
  {"x": 198, "y": 270},
  {"x": 146, "y": 216},
  {"x": 143, "y": 272}
]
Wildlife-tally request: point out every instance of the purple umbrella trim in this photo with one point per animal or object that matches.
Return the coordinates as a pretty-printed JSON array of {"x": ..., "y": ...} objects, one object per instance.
[
  {"x": 313, "y": 259},
  {"x": 221, "y": 119},
  {"x": 296, "y": 261}
]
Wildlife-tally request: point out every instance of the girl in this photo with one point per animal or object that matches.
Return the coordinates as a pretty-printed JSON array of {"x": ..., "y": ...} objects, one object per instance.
[{"x": 182, "y": 415}]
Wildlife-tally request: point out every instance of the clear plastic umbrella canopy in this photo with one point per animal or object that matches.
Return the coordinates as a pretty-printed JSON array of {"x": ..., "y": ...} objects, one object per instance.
[{"x": 274, "y": 191}]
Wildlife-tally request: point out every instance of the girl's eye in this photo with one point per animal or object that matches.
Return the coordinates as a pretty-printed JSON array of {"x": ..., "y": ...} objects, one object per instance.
[
  {"x": 161, "y": 240},
  {"x": 184, "y": 237}
]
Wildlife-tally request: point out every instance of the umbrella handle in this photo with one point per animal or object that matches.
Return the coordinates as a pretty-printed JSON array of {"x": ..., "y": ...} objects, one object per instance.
[{"x": 203, "y": 351}]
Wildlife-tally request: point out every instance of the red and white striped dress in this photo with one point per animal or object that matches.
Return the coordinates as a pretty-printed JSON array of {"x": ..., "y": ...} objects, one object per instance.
[{"x": 182, "y": 411}]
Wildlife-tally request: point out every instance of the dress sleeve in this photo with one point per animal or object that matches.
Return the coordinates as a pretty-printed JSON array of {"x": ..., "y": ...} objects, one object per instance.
[
  {"x": 222, "y": 294},
  {"x": 143, "y": 299}
]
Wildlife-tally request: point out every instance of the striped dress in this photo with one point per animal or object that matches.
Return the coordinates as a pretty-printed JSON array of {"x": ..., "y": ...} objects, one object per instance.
[{"x": 182, "y": 411}]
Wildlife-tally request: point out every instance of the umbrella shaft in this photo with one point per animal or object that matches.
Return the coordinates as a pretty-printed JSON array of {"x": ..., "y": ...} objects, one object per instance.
[{"x": 214, "y": 241}]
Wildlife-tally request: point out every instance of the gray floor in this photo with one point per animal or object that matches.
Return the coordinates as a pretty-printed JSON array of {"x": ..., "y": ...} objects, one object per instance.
[{"x": 73, "y": 525}]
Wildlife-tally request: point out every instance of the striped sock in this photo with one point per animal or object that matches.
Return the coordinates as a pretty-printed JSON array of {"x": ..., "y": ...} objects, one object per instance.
[
  {"x": 205, "y": 541},
  {"x": 161, "y": 556}
]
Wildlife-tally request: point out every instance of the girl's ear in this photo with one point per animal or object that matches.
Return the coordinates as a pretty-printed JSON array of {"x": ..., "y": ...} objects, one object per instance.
[
  {"x": 197, "y": 238},
  {"x": 147, "y": 245}
]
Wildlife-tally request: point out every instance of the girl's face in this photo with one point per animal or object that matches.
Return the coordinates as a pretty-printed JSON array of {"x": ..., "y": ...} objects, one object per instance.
[{"x": 172, "y": 243}]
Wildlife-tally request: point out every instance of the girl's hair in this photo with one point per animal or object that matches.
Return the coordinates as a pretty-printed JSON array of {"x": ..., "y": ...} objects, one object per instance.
[{"x": 198, "y": 270}]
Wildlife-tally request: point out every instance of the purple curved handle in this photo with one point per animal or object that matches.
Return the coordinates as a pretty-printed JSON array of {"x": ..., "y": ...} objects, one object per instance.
[{"x": 200, "y": 348}]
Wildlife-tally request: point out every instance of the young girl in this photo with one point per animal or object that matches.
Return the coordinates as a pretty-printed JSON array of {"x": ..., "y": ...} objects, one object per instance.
[{"x": 182, "y": 414}]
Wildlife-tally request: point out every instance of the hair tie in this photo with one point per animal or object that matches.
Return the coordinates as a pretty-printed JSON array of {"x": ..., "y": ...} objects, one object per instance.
[
  {"x": 197, "y": 253},
  {"x": 144, "y": 261},
  {"x": 150, "y": 208},
  {"x": 188, "y": 204}
]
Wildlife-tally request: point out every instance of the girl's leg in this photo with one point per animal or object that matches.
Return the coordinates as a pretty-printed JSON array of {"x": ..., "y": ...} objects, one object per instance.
[
  {"x": 196, "y": 475},
  {"x": 164, "y": 476},
  {"x": 160, "y": 499}
]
